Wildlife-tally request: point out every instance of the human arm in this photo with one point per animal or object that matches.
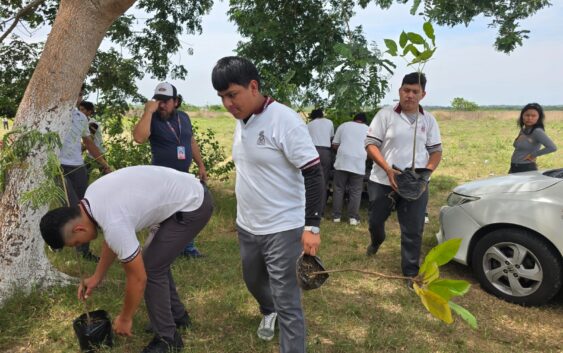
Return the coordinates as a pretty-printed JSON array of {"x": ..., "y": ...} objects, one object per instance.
[
  {"x": 549, "y": 146},
  {"x": 434, "y": 160},
  {"x": 136, "y": 280},
  {"x": 142, "y": 130},
  {"x": 95, "y": 152},
  {"x": 374, "y": 153},
  {"x": 314, "y": 183},
  {"x": 87, "y": 286},
  {"x": 202, "y": 173}
]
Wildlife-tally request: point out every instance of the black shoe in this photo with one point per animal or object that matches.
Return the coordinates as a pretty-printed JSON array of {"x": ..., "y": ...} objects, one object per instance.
[
  {"x": 183, "y": 323},
  {"x": 87, "y": 255},
  {"x": 164, "y": 345},
  {"x": 371, "y": 250},
  {"x": 410, "y": 284}
]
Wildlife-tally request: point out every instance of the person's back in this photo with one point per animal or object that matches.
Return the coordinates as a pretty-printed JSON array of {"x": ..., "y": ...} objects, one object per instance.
[
  {"x": 351, "y": 155},
  {"x": 321, "y": 131}
]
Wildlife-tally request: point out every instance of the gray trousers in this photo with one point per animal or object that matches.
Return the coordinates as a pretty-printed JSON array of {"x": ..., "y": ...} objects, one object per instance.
[
  {"x": 162, "y": 300},
  {"x": 268, "y": 269},
  {"x": 325, "y": 155},
  {"x": 76, "y": 180},
  {"x": 353, "y": 182},
  {"x": 411, "y": 222}
]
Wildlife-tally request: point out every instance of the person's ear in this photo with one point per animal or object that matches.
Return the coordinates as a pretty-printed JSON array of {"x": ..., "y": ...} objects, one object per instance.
[
  {"x": 423, "y": 95},
  {"x": 253, "y": 85}
]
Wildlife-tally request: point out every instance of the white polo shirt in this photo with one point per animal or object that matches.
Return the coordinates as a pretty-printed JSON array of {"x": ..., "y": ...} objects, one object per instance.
[
  {"x": 268, "y": 151},
  {"x": 351, "y": 155},
  {"x": 321, "y": 131},
  {"x": 71, "y": 150},
  {"x": 133, "y": 198},
  {"x": 393, "y": 129}
]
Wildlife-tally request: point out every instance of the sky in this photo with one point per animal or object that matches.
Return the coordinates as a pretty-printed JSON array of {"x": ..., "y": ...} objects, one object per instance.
[{"x": 464, "y": 65}]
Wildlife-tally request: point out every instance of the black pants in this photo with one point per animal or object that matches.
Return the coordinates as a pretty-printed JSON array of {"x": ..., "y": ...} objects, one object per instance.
[
  {"x": 411, "y": 221},
  {"x": 522, "y": 167},
  {"x": 76, "y": 180}
]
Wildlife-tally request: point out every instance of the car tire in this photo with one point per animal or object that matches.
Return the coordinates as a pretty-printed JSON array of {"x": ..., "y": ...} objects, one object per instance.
[{"x": 517, "y": 266}]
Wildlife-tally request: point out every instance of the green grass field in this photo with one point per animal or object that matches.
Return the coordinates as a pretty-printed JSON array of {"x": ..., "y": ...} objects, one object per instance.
[{"x": 351, "y": 312}]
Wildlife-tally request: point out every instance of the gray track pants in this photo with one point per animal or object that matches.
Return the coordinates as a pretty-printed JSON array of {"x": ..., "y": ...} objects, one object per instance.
[
  {"x": 268, "y": 265},
  {"x": 161, "y": 297},
  {"x": 354, "y": 182}
]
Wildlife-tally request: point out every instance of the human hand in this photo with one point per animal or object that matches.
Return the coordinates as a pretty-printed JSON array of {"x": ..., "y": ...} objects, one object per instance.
[
  {"x": 86, "y": 287},
  {"x": 530, "y": 158},
  {"x": 151, "y": 106},
  {"x": 202, "y": 173},
  {"x": 107, "y": 169},
  {"x": 310, "y": 242},
  {"x": 391, "y": 173},
  {"x": 122, "y": 325}
]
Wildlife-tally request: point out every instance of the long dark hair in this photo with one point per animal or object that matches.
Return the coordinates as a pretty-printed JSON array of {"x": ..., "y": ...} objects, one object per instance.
[{"x": 539, "y": 123}]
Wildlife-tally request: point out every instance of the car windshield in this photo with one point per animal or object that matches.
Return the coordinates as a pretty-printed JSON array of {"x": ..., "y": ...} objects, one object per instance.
[{"x": 555, "y": 173}]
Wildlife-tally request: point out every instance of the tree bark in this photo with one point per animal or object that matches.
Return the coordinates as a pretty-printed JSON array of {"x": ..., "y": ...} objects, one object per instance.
[{"x": 76, "y": 34}]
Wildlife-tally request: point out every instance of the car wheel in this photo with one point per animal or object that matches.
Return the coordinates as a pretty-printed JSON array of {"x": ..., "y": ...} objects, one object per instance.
[{"x": 518, "y": 266}]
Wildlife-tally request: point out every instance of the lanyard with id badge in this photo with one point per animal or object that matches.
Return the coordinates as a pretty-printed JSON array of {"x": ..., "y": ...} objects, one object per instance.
[{"x": 180, "y": 150}]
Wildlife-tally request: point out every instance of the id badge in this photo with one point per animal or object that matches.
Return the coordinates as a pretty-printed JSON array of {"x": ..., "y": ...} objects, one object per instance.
[{"x": 181, "y": 152}]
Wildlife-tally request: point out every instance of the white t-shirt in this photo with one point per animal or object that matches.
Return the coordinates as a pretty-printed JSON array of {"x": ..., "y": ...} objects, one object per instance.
[
  {"x": 351, "y": 155},
  {"x": 71, "y": 151},
  {"x": 98, "y": 137},
  {"x": 268, "y": 151},
  {"x": 134, "y": 198},
  {"x": 321, "y": 131},
  {"x": 396, "y": 134}
]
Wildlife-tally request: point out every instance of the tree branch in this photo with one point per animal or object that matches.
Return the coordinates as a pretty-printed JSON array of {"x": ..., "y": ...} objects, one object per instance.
[{"x": 24, "y": 11}]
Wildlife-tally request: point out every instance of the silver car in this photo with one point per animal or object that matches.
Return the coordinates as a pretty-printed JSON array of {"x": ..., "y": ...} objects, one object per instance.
[{"x": 512, "y": 233}]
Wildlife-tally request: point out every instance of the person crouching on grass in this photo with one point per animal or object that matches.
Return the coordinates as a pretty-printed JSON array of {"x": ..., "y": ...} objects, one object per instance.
[
  {"x": 279, "y": 189},
  {"x": 120, "y": 204}
]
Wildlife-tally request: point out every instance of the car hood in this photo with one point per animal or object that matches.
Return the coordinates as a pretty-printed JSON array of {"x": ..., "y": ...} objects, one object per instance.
[{"x": 518, "y": 182}]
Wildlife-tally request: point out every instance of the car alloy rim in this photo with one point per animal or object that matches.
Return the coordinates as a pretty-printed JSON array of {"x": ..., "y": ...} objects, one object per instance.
[{"x": 512, "y": 269}]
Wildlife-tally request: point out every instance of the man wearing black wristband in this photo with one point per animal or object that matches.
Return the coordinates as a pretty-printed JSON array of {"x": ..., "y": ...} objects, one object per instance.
[{"x": 279, "y": 188}]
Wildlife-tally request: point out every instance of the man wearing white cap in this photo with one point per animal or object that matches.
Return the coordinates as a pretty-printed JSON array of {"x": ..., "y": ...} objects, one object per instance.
[{"x": 169, "y": 132}]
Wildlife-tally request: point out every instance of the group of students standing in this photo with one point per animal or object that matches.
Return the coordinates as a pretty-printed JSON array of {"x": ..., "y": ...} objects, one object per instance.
[{"x": 280, "y": 189}]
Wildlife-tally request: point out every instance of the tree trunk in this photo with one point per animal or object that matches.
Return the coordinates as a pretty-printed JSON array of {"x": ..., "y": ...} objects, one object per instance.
[{"x": 76, "y": 34}]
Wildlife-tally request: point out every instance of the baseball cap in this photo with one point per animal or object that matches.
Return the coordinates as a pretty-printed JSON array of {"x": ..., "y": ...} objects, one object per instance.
[{"x": 164, "y": 91}]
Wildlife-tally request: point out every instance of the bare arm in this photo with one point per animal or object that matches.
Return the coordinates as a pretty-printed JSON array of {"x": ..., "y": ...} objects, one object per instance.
[
  {"x": 136, "y": 280},
  {"x": 198, "y": 160},
  {"x": 142, "y": 130},
  {"x": 95, "y": 152},
  {"x": 88, "y": 285},
  {"x": 375, "y": 154},
  {"x": 434, "y": 160}
]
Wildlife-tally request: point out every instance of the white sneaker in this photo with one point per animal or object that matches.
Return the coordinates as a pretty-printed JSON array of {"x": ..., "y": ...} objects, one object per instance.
[
  {"x": 336, "y": 220},
  {"x": 426, "y": 220},
  {"x": 267, "y": 326},
  {"x": 354, "y": 222}
]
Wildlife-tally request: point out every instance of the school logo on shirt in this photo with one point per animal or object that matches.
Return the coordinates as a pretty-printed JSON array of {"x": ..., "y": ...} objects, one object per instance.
[
  {"x": 261, "y": 138},
  {"x": 423, "y": 129}
]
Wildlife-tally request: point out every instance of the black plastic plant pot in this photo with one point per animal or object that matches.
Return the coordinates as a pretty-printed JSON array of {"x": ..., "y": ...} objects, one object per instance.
[{"x": 94, "y": 333}]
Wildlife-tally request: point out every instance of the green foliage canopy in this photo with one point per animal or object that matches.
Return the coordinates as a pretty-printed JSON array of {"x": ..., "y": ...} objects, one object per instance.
[{"x": 459, "y": 103}]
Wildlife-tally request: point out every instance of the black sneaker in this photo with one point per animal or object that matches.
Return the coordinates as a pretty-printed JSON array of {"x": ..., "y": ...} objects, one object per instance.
[
  {"x": 371, "y": 250},
  {"x": 164, "y": 345},
  {"x": 90, "y": 257}
]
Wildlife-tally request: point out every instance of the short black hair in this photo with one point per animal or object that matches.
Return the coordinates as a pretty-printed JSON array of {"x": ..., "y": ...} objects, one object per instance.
[
  {"x": 233, "y": 70},
  {"x": 52, "y": 224},
  {"x": 179, "y": 101},
  {"x": 316, "y": 113},
  {"x": 541, "y": 114},
  {"x": 415, "y": 78},
  {"x": 361, "y": 117},
  {"x": 87, "y": 105}
]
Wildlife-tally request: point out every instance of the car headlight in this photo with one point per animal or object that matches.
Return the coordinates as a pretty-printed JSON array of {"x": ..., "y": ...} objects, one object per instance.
[{"x": 458, "y": 199}]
